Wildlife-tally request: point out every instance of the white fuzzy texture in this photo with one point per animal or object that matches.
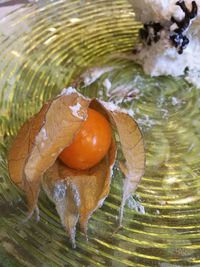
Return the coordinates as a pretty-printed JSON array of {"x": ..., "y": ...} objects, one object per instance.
[
  {"x": 135, "y": 205},
  {"x": 68, "y": 91},
  {"x": 161, "y": 58},
  {"x": 107, "y": 83},
  {"x": 93, "y": 74},
  {"x": 44, "y": 133},
  {"x": 115, "y": 108},
  {"x": 75, "y": 111},
  {"x": 110, "y": 106}
]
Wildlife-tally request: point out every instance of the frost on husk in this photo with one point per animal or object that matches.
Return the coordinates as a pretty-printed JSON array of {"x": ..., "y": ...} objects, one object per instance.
[
  {"x": 76, "y": 194},
  {"x": 90, "y": 188},
  {"x": 132, "y": 146},
  {"x": 40, "y": 141}
]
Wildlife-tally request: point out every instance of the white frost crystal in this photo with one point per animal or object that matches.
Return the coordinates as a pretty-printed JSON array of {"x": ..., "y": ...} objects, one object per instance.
[
  {"x": 68, "y": 91},
  {"x": 93, "y": 74},
  {"x": 76, "y": 111},
  {"x": 162, "y": 58}
]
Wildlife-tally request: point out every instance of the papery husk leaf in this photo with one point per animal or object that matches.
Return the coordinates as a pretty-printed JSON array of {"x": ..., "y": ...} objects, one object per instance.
[
  {"x": 41, "y": 140},
  {"x": 19, "y": 153},
  {"x": 66, "y": 199},
  {"x": 23, "y": 144},
  {"x": 133, "y": 149},
  {"x": 132, "y": 146},
  {"x": 92, "y": 186}
]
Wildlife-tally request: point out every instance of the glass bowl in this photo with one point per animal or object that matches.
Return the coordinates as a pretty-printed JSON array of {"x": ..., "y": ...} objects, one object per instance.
[{"x": 45, "y": 45}]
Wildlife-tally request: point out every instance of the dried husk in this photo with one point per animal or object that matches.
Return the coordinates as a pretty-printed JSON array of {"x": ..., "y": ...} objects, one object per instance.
[
  {"x": 40, "y": 141},
  {"x": 133, "y": 149},
  {"x": 76, "y": 194},
  {"x": 132, "y": 146},
  {"x": 90, "y": 188}
]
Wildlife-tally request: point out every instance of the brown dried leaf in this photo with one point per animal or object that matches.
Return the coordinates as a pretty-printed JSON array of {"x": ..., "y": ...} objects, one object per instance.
[
  {"x": 132, "y": 147},
  {"x": 65, "y": 196},
  {"x": 19, "y": 153},
  {"x": 42, "y": 138},
  {"x": 90, "y": 188},
  {"x": 23, "y": 144}
]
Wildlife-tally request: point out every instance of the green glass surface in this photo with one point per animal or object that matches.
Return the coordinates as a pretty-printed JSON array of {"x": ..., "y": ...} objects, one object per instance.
[{"x": 44, "y": 46}]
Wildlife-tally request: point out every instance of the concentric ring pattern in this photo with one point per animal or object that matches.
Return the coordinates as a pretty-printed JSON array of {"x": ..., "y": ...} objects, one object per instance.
[{"x": 44, "y": 46}]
